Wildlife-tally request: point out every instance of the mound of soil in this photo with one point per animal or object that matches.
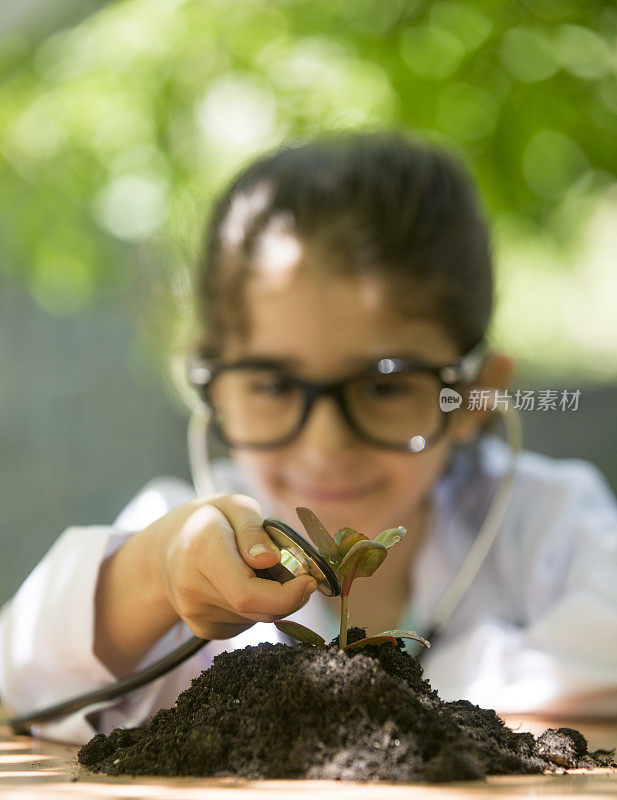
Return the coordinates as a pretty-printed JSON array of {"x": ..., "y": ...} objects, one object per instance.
[{"x": 301, "y": 711}]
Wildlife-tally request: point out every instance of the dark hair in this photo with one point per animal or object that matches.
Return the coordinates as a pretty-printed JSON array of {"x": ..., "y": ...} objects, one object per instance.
[{"x": 377, "y": 204}]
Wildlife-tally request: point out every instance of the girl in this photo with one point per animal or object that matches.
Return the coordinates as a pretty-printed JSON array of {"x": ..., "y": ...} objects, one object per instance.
[{"x": 357, "y": 265}]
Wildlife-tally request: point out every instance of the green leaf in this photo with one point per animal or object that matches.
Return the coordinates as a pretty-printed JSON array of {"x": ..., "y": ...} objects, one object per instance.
[
  {"x": 318, "y": 532},
  {"x": 400, "y": 634},
  {"x": 391, "y": 536},
  {"x": 370, "y": 546},
  {"x": 299, "y": 632},
  {"x": 348, "y": 541},
  {"x": 380, "y": 639},
  {"x": 360, "y": 562},
  {"x": 343, "y": 533}
]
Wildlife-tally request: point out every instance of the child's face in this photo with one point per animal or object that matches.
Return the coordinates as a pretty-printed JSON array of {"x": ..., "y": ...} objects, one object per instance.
[{"x": 325, "y": 323}]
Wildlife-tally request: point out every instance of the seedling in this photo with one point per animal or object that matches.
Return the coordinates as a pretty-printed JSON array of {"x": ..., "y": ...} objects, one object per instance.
[{"x": 351, "y": 555}]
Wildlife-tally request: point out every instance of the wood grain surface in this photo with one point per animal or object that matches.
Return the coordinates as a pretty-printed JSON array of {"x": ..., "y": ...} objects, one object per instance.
[{"x": 33, "y": 768}]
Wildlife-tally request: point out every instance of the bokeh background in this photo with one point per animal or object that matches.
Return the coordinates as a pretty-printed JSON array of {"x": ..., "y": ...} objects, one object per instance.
[{"x": 119, "y": 122}]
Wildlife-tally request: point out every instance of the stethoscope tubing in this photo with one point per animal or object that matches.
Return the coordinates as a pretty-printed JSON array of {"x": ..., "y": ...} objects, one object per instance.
[{"x": 123, "y": 686}]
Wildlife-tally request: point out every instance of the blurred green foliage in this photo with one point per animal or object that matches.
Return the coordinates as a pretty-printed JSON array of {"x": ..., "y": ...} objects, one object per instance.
[{"x": 116, "y": 134}]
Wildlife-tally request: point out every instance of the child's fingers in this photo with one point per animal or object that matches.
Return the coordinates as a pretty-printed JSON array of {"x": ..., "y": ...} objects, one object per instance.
[
  {"x": 256, "y": 598},
  {"x": 203, "y": 617},
  {"x": 246, "y": 518}
]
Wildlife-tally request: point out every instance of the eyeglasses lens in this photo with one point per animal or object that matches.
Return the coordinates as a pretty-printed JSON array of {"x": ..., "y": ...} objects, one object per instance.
[
  {"x": 397, "y": 408},
  {"x": 256, "y": 406}
]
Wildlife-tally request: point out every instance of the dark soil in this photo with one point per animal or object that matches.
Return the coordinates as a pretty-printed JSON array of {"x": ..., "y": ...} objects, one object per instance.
[{"x": 301, "y": 711}]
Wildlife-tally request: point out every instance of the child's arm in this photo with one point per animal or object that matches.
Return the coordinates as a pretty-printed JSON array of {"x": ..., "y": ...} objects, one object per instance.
[
  {"x": 191, "y": 564},
  {"x": 48, "y": 651}
]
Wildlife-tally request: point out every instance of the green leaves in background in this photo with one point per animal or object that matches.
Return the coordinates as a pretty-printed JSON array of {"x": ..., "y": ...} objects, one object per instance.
[{"x": 116, "y": 134}]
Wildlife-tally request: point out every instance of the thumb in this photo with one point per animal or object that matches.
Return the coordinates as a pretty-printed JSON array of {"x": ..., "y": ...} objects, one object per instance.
[{"x": 256, "y": 547}]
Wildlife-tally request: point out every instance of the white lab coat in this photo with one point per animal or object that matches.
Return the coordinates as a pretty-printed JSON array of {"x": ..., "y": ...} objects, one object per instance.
[{"x": 536, "y": 632}]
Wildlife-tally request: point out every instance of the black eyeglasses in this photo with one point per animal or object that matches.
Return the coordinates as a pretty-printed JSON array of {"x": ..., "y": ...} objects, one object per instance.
[{"x": 393, "y": 403}]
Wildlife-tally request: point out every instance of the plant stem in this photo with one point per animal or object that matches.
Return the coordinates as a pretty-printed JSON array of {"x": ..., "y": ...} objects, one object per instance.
[{"x": 342, "y": 637}]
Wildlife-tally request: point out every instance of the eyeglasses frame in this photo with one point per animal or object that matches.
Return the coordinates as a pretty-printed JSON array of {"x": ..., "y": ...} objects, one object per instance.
[{"x": 201, "y": 373}]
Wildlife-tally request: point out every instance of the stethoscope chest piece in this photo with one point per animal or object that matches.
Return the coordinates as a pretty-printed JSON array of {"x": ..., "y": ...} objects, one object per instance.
[{"x": 298, "y": 557}]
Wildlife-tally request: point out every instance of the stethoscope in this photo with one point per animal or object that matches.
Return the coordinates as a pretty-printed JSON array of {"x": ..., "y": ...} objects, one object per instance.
[
  {"x": 297, "y": 557},
  {"x": 202, "y": 478}
]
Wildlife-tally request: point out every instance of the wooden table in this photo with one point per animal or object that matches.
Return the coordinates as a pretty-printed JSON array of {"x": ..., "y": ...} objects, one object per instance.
[{"x": 32, "y": 768}]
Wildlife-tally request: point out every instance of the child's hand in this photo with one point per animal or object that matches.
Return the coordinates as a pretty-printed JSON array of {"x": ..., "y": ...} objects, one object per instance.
[{"x": 204, "y": 555}]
